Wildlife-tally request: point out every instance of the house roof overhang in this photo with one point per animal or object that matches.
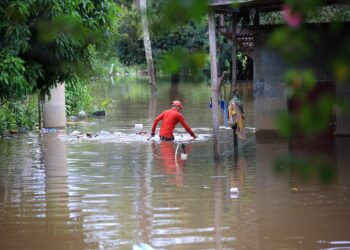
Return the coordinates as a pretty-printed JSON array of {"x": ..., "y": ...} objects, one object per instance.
[{"x": 232, "y": 6}]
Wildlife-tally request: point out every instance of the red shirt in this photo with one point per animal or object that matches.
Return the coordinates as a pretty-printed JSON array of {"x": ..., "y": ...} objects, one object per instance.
[{"x": 170, "y": 118}]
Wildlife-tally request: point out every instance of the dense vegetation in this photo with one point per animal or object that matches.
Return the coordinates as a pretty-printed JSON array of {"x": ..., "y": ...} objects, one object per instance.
[
  {"x": 175, "y": 46},
  {"x": 18, "y": 116},
  {"x": 46, "y": 42}
]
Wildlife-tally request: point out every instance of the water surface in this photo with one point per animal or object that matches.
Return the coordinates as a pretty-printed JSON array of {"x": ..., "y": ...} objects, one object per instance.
[{"x": 58, "y": 191}]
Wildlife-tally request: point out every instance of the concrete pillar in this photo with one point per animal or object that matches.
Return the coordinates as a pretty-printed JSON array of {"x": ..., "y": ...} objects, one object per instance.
[{"x": 54, "y": 113}]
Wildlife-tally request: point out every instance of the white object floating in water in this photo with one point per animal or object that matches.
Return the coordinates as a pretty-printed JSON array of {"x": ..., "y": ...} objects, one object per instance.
[
  {"x": 82, "y": 114},
  {"x": 250, "y": 128},
  {"x": 119, "y": 134},
  {"x": 234, "y": 192},
  {"x": 104, "y": 134},
  {"x": 138, "y": 126},
  {"x": 75, "y": 132},
  {"x": 142, "y": 246},
  {"x": 234, "y": 196}
]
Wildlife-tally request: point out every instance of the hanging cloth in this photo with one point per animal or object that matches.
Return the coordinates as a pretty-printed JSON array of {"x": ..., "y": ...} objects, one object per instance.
[{"x": 236, "y": 117}]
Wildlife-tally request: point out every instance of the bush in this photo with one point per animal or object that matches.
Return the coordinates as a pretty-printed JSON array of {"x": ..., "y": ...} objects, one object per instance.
[
  {"x": 18, "y": 116},
  {"x": 78, "y": 97}
]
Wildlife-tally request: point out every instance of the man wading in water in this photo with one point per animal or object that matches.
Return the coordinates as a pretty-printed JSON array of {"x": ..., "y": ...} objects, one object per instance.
[{"x": 171, "y": 118}]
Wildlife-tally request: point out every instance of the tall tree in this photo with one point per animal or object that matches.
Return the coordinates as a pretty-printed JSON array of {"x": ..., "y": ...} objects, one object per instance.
[{"x": 148, "y": 48}]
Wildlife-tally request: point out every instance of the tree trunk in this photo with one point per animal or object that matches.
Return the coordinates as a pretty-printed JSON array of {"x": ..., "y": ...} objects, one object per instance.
[
  {"x": 175, "y": 78},
  {"x": 137, "y": 4},
  {"x": 148, "y": 48}
]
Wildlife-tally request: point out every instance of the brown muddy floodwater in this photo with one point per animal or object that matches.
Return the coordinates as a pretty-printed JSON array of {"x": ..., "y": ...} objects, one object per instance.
[{"x": 119, "y": 189}]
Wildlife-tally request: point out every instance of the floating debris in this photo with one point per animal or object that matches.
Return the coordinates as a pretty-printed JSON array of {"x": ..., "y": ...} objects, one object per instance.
[{"x": 142, "y": 246}]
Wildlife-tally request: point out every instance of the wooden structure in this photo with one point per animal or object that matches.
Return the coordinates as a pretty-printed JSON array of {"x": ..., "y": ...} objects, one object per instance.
[{"x": 246, "y": 34}]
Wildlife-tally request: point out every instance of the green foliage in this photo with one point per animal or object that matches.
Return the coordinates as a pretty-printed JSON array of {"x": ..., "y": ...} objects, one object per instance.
[
  {"x": 179, "y": 29},
  {"x": 103, "y": 66},
  {"x": 311, "y": 117},
  {"x": 341, "y": 69},
  {"x": 303, "y": 6},
  {"x": 18, "y": 115},
  {"x": 168, "y": 39},
  {"x": 317, "y": 14},
  {"x": 78, "y": 97},
  {"x": 106, "y": 103},
  {"x": 174, "y": 13},
  {"x": 13, "y": 82},
  {"x": 293, "y": 44},
  {"x": 129, "y": 44},
  {"x": 46, "y": 42},
  {"x": 125, "y": 3},
  {"x": 299, "y": 83},
  {"x": 329, "y": 14},
  {"x": 178, "y": 59}
]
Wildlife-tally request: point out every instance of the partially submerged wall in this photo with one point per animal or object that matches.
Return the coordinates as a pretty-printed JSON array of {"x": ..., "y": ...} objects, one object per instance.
[{"x": 269, "y": 87}]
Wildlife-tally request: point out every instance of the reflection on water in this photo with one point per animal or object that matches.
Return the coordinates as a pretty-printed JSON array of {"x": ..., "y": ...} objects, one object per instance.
[
  {"x": 61, "y": 192},
  {"x": 170, "y": 160}
]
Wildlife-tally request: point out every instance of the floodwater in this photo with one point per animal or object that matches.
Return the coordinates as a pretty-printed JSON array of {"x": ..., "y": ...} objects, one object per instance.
[{"x": 118, "y": 189}]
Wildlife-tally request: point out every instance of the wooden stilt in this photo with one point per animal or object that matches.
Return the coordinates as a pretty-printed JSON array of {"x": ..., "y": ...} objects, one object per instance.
[
  {"x": 235, "y": 141},
  {"x": 214, "y": 81},
  {"x": 234, "y": 52}
]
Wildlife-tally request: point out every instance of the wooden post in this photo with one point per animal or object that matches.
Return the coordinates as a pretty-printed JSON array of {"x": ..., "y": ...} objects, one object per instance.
[
  {"x": 235, "y": 141},
  {"x": 256, "y": 18},
  {"x": 234, "y": 70},
  {"x": 235, "y": 145},
  {"x": 220, "y": 47},
  {"x": 234, "y": 51},
  {"x": 214, "y": 79}
]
